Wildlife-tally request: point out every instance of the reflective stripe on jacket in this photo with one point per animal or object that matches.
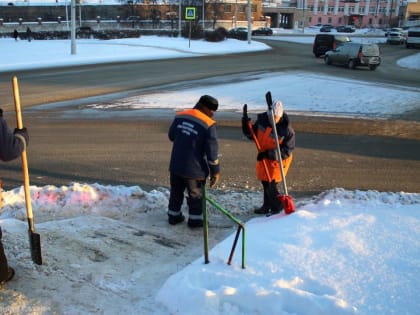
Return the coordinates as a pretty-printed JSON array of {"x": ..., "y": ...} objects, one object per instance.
[{"x": 195, "y": 148}]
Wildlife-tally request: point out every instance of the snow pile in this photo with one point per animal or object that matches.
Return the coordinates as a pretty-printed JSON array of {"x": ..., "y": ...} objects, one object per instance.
[{"x": 342, "y": 252}]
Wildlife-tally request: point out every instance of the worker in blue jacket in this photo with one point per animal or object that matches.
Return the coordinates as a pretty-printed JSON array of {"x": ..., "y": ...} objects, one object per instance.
[
  {"x": 11, "y": 146},
  {"x": 194, "y": 157}
]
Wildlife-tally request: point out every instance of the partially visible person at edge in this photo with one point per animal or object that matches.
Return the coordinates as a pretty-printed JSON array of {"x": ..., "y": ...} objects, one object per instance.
[
  {"x": 11, "y": 146},
  {"x": 263, "y": 131},
  {"x": 194, "y": 157}
]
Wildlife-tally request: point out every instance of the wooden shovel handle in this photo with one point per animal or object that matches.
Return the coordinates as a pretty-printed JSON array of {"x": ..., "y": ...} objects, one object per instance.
[{"x": 23, "y": 155}]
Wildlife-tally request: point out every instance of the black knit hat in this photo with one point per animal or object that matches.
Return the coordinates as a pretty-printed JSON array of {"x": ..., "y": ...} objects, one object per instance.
[{"x": 209, "y": 101}]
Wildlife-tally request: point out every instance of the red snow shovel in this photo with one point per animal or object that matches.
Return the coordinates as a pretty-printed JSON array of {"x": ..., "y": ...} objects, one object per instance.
[
  {"x": 34, "y": 238},
  {"x": 286, "y": 200}
]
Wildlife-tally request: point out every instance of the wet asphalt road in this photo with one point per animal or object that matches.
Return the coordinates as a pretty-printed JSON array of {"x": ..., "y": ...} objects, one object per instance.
[{"x": 331, "y": 152}]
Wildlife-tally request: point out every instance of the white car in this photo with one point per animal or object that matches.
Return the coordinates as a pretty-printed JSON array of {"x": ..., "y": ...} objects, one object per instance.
[{"x": 397, "y": 38}]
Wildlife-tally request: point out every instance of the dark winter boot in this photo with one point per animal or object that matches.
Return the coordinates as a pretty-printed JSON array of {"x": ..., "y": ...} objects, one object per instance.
[
  {"x": 262, "y": 210},
  {"x": 265, "y": 208},
  {"x": 175, "y": 219},
  {"x": 195, "y": 223},
  {"x": 10, "y": 275}
]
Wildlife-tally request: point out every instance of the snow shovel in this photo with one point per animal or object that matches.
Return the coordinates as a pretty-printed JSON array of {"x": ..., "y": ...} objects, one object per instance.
[
  {"x": 34, "y": 238},
  {"x": 286, "y": 200}
]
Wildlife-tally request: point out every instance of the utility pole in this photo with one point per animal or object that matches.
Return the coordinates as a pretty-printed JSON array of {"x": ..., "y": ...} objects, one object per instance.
[
  {"x": 249, "y": 22},
  {"x": 204, "y": 4},
  {"x": 73, "y": 26},
  {"x": 179, "y": 18},
  {"x": 303, "y": 16}
]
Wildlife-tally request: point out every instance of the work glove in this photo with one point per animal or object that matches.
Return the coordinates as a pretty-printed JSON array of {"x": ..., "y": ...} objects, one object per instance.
[
  {"x": 245, "y": 120},
  {"x": 261, "y": 155},
  {"x": 245, "y": 113},
  {"x": 214, "y": 179},
  {"x": 269, "y": 154},
  {"x": 22, "y": 132}
]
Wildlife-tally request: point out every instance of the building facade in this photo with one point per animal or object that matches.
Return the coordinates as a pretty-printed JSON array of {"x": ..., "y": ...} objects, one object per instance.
[{"x": 360, "y": 13}]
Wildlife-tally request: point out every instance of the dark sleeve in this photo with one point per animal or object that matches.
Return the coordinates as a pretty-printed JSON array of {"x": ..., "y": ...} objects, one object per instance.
[
  {"x": 288, "y": 144},
  {"x": 10, "y": 145},
  {"x": 212, "y": 151},
  {"x": 171, "y": 132}
]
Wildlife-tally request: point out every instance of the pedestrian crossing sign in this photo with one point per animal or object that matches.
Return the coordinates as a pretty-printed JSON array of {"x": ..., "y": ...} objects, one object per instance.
[{"x": 190, "y": 13}]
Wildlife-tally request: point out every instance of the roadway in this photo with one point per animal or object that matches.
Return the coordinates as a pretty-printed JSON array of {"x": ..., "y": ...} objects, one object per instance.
[{"x": 331, "y": 152}]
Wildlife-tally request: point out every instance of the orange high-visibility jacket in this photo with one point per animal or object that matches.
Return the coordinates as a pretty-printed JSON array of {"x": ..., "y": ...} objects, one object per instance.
[{"x": 263, "y": 131}]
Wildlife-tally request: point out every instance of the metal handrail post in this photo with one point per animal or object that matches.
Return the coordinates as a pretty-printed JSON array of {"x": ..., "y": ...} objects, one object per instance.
[
  {"x": 205, "y": 226},
  {"x": 241, "y": 226}
]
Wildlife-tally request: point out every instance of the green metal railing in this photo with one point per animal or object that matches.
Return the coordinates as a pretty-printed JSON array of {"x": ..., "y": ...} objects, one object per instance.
[{"x": 241, "y": 227}]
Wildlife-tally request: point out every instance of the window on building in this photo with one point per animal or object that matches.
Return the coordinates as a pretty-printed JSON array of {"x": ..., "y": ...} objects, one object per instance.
[
  {"x": 340, "y": 20},
  {"x": 228, "y": 7},
  {"x": 242, "y": 8},
  {"x": 254, "y": 8},
  {"x": 320, "y": 20},
  {"x": 329, "y": 20}
]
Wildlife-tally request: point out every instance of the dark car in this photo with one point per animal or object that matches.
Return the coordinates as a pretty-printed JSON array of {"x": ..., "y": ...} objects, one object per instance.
[
  {"x": 345, "y": 29},
  {"x": 413, "y": 37},
  {"x": 353, "y": 55},
  {"x": 240, "y": 33},
  {"x": 326, "y": 28},
  {"x": 325, "y": 42},
  {"x": 262, "y": 31}
]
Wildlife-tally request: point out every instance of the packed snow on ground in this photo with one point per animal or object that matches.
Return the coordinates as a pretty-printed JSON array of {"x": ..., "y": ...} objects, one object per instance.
[{"x": 110, "y": 250}]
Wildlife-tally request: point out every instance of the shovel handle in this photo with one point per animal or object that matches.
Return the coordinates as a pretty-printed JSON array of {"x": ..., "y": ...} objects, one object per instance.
[
  {"x": 23, "y": 155},
  {"x": 269, "y": 101}
]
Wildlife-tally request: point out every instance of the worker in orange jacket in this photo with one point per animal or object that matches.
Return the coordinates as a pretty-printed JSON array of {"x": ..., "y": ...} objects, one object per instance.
[{"x": 267, "y": 165}]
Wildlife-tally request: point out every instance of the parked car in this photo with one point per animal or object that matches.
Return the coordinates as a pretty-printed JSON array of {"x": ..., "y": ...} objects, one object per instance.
[
  {"x": 325, "y": 42},
  {"x": 397, "y": 38},
  {"x": 394, "y": 29},
  {"x": 326, "y": 28},
  {"x": 346, "y": 29},
  {"x": 318, "y": 26},
  {"x": 413, "y": 37},
  {"x": 262, "y": 31},
  {"x": 240, "y": 33},
  {"x": 354, "y": 54}
]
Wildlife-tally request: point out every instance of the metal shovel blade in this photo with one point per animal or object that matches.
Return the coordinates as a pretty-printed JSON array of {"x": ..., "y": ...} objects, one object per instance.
[{"x": 35, "y": 244}]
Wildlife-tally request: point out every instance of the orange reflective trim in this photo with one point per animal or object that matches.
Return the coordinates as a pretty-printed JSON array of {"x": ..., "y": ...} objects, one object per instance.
[{"x": 197, "y": 114}]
